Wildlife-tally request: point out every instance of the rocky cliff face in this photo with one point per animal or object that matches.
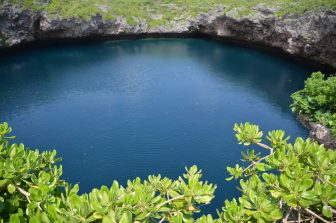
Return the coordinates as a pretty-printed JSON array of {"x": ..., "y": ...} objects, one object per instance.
[
  {"x": 16, "y": 26},
  {"x": 311, "y": 35}
]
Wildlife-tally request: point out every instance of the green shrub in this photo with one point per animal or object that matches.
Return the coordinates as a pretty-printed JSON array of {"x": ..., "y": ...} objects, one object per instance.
[
  {"x": 317, "y": 100},
  {"x": 293, "y": 181}
]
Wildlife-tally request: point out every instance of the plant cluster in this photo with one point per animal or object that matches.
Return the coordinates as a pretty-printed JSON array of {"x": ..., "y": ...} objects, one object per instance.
[
  {"x": 317, "y": 100},
  {"x": 31, "y": 191},
  {"x": 291, "y": 182}
]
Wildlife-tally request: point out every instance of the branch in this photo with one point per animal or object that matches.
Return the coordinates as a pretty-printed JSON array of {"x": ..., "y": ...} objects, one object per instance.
[
  {"x": 25, "y": 193},
  {"x": 255, "y": 162},
  {"x": 304, "y": 220},
  {"x": 265, "y": 146},
  {"x": 289, "y": 211},
  {"x": 162, "y": 219},
  {"x": 316, "y": 215},
  {"x": 166, "y": 202},
  {"x": 326, "y": 181},
  {"x": 170, "y": 200}
]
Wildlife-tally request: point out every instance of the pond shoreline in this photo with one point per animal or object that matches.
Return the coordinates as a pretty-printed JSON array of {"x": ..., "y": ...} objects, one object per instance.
[
  {"x": 309, "y": 38},
  {"x": 82, "y": 40}
]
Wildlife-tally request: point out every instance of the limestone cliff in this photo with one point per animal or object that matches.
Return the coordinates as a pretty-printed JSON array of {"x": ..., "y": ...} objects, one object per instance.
[{"x": 311, "y": 35}]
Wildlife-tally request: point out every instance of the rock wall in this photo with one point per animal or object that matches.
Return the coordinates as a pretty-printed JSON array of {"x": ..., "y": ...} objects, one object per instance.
[
  {"x": 311, "y": 35},
  {"x": 17, "y": 26}
]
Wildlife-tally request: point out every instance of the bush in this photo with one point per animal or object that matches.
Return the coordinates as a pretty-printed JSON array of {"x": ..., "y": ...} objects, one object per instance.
[
  {"x": 317, "y": 100},
  {"x": 293, "y": 181}
]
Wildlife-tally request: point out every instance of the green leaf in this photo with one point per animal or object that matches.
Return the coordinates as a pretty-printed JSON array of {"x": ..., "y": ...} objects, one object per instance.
[
  {"x": 11, "y": 188},
  {"x": 14, "y": 218},
  {"x": 263, "y": 167},
  {"x": 34, "y": 219},
  {"x": 285, "y": 181},
  {"x": 309, "y": 195},
  {"x": 177, "y": 219},
  {"x": 327, "y": 211},
  {"x": 97, "y": 215},
  {"x": 306, "y": 184},
  {"x": 229, "y": 178},
  {"x": 275, "y": 193},
  {"x": 126, "y": 218},
  {"x": 333, "y": 202}
]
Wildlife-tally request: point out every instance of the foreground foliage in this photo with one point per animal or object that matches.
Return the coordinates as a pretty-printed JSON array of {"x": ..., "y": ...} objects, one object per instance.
[
  {"x": 317, "y": 100},
  {"x": 290, "y": 182},
  {"x": 157, "y": 13}
]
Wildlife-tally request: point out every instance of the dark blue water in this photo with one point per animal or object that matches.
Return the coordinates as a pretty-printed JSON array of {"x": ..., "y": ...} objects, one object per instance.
[{"x": 117, "y": 110}]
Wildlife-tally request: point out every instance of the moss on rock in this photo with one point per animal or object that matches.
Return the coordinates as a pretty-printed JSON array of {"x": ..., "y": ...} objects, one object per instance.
[{"x": 157, "y": 13}]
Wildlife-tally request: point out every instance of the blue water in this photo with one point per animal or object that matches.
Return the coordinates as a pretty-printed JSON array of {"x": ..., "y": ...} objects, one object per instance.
[{"x": 121, "y": 109}]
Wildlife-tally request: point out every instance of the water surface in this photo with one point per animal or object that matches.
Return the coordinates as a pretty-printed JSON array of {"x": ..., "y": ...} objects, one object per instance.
[{"x": 117, "y": 110}]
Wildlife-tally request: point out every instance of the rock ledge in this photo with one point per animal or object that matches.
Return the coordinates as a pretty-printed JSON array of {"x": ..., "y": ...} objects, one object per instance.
[{"x": 311, "y": 35}]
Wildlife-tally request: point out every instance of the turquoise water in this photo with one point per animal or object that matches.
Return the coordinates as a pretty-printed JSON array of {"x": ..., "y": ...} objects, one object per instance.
[{"x": 117, "y": 110}]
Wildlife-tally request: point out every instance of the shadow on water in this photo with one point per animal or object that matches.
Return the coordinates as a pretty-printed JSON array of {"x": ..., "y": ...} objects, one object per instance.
[{"x": 121, "y": 109}]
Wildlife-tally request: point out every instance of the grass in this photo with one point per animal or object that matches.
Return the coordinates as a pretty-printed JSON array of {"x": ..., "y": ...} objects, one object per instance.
[{"x": 161, "y": 12}]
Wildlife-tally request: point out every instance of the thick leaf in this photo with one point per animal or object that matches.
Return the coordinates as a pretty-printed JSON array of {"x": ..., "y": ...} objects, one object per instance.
[
  {"x": 11, "y": 188},
  {"x": 327, "y": 211}
]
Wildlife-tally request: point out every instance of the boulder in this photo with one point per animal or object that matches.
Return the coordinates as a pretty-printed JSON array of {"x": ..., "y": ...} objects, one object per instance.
[
  {"x": 318, "y": 132},
  {"x": 322, "y": 134}
]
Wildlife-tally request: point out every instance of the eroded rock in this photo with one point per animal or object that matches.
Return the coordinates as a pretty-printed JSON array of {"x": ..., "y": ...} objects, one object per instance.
[
  {"x": 311, "y": 35},
  {"x": 318, "y": 132}
]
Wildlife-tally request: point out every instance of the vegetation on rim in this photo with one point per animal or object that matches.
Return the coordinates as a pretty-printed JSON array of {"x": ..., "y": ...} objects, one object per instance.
[
  {"x": 292, "y": 181},
  {"x": 160, "y": 12},
  {"x": 317, "y": 100}
]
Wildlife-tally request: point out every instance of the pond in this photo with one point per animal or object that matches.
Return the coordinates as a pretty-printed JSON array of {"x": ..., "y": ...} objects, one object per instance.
[{"x": 122, "y": 109}]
